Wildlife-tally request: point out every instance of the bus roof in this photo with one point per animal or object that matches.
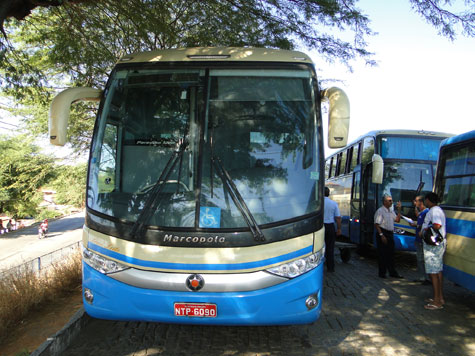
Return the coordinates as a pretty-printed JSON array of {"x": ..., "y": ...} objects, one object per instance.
[
  {"x": 459, "y": 138},
  {"x": 224, "y": 54},
  {"x": 375, "y": 133},
  {"x": 405, "y": 133}
]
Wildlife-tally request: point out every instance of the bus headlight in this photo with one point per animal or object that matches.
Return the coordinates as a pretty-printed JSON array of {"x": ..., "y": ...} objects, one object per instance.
[
  {"x": 100, "y": 263},
  {"x": 298, "y": 267}
]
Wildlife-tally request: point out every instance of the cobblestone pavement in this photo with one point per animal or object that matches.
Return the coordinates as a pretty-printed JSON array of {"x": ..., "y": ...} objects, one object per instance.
[{"x": 362, "y": 315}]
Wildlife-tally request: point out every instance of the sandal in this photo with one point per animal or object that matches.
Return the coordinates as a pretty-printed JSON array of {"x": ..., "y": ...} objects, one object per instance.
[
  {"x": 430, "y": 300},
  {"x": 431, "y": 306}
]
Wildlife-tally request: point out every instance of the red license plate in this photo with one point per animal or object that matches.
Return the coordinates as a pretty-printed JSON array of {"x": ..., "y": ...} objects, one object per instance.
[{"x": 200, "y": 310}]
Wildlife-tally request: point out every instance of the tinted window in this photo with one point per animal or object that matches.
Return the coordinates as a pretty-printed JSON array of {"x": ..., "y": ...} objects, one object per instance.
[
  {"x": 327, "y": 168},
  {"x": 457, "y": 185},
  {"x": 343, "y": 162},
  {"x": 354, "y": 156},
  {"x": 410, "y": 148},
  {"x": 368, "y": 150}
]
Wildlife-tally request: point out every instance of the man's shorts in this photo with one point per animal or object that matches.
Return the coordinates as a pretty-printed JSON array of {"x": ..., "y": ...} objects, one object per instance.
[{"x": 434, "y": 257}]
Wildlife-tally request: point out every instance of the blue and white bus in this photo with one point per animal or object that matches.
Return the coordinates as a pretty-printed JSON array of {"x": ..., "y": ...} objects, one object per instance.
[
  {"x": 455, "y": 186},
  {"x": 205, "y": 187},
  {"x": 397, "y": 162}
]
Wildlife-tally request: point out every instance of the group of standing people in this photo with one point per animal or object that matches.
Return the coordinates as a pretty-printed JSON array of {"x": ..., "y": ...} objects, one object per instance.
[
  {"x": 429, "y": 257},
  {"x": 9, "y": 226}
]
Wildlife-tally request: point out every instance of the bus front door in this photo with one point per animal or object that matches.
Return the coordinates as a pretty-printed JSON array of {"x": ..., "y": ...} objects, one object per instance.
[
  {"x": 368, "y": 207},
  {"x": 355, "y": 207}
]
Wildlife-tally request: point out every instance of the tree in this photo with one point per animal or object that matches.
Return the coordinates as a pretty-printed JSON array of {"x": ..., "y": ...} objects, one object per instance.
[
  {"x": 438, "y": 14},
  {"x": 23, "y": 171},
  {"x": 70, "y": 185},
  {"x": 78, "y": 42}
]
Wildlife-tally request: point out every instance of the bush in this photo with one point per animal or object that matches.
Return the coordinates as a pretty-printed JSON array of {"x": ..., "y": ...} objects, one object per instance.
[
  {"x": 23, "y": 290},
  {"x": 48, "y": 214}
]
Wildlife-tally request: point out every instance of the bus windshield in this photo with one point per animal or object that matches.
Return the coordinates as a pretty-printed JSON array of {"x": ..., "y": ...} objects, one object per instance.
[
  {"x": 401, "y": 180},
  {"x": 183, "y": 143},
  {"x": 410, "y": 148}
]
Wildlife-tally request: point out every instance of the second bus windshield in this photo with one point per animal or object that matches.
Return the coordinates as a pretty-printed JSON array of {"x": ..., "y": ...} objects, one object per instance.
[{"x": 409, "y": 167}]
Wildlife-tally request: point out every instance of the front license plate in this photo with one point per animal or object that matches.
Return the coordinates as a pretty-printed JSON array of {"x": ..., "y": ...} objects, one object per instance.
[{"x": 200, "y": 310}]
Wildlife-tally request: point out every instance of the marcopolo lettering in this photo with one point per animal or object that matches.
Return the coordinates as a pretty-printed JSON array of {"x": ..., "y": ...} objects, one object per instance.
[{"x": 194, "y": 239}]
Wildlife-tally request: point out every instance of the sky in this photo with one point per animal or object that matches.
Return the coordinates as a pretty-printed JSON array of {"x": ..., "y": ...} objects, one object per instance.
[{"x": 423, "y": 81}]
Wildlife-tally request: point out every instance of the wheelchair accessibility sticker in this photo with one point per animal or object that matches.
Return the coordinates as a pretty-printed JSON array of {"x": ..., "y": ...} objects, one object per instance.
[{"x": 210, "y": 217}]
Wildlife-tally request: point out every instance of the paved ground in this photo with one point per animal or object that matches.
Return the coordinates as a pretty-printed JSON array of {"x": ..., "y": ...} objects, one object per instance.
[{"x": 362, "y": 315}]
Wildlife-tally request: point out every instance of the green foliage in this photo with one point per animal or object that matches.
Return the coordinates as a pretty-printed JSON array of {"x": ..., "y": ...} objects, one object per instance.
[
  {"x": 70, "y": 185},
  {"x": 48, "y": 214},
  {"x": 23, "y": 171},
  {"x": 438, "y": 13},
  {"x": 24, "y": 352},
  {"x": 78, "y": 44}
]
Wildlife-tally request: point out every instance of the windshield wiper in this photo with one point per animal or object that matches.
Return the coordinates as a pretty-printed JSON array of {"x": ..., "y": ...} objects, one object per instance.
[
  {"x": 420, "y": 186},
  {"x": 152, "y": 202},
  {"x": 237, "y": 199}
]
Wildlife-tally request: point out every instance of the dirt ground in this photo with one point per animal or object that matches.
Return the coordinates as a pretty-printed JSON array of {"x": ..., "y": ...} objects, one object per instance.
[{"x": 40, "y": 325}]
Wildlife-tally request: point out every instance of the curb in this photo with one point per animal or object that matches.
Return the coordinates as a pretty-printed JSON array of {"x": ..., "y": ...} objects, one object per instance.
[{"x": 56, "y": 344}]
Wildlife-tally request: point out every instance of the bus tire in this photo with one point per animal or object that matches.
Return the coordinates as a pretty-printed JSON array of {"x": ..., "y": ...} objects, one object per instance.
[
  {"x": 363, "y": 250},
  {"x": 345, "y": 254}
]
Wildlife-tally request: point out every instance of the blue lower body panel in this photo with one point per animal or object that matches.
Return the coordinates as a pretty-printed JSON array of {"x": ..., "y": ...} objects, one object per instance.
[
  {"x": 404, "y": 242},
  {"x": 461, "y": 278},
  {"x": 283, "y": 304}
]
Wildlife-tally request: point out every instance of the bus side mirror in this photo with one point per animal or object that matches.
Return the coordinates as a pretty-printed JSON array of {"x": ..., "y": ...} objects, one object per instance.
[
  {"x": 59, "y": 111},
  {"x": 338, "y": 118},
  {"x": 378, "y": 168}
]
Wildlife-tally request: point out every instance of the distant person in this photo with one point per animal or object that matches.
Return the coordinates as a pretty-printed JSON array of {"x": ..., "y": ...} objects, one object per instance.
[
  {"x": 331, "y": 215},
  {"x": 9, "y": 225},
  {"x": 384, "y": 219},
  {"x": 43, "y": 229},
  {"x": 434, "y": 255},
  {"x": 421, "y": 212}
]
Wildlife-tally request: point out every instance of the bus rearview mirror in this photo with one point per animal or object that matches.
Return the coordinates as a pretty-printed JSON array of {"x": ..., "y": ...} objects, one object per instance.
[
  {"x": 378, "y": 168},
  {"x": 60, "y": 108},
  {"x": 338, "y": 117}
]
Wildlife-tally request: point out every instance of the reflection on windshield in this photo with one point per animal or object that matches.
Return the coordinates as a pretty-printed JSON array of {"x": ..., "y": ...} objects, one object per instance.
[
  {"x": 259, "y": 124},
  {"x": 402, "y": 179},
  {"x": 237, "y": 199}
]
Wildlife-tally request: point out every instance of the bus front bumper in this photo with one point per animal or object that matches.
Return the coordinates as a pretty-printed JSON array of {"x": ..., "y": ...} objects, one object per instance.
[
  {"x": 282, "y": 304},
  {"x": 404, "y": 242}
]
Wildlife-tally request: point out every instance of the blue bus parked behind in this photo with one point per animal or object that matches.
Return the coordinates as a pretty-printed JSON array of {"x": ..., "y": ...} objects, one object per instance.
[
  {"x": 397, "y": 162},
  {"x": 455, "y": 186}
]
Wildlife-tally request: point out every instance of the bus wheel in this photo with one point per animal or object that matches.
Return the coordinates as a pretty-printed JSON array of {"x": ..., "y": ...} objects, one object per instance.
[
  {"x": 345, "y": 254},
  {"x": 363, "y": 250}
]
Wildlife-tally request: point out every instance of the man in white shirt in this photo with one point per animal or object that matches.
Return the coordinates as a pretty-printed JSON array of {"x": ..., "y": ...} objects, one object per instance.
[
  {"x": 331, "y": 214},
  {"x": 384, "y": 219}
]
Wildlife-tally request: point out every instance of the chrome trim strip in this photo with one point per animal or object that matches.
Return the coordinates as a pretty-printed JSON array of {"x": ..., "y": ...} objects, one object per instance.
[{"x": 223, "y": 282}]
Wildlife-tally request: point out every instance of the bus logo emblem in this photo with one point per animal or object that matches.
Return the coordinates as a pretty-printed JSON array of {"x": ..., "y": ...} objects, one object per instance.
[{"x": 195, "y": 282}]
